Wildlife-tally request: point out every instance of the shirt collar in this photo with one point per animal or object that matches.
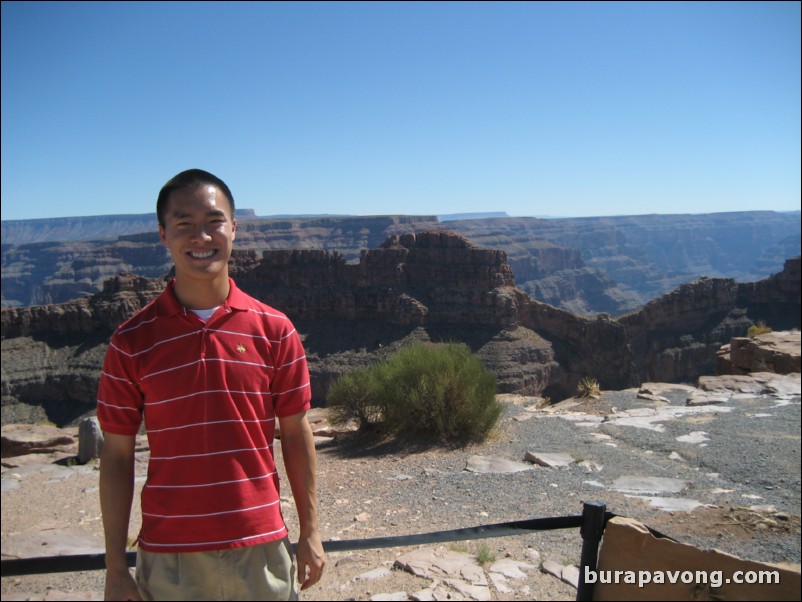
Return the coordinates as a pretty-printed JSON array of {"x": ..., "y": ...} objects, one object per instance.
[
  {"x": 237, "y": 300},
  {"x": 168, "y": 304}
]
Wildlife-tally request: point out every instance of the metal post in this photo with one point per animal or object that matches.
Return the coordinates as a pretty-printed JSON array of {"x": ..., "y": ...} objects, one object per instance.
[{"x": 591, "y": 531}]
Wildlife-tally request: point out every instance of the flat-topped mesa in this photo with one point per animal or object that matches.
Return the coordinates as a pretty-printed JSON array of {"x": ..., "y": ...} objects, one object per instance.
[
  {"x": 413, "y": 279},
  {"x": 447, "y": 259}
]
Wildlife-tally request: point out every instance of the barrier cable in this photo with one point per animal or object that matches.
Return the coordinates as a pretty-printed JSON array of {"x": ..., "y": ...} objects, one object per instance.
[{"x": 12, "y": 567}]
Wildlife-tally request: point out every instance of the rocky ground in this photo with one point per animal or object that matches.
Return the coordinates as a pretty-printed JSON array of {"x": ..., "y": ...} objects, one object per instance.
[{"x": 716, "y": 466}]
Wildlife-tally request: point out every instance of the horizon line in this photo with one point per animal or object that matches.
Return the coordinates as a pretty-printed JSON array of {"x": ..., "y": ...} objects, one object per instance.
[{"x": 249, "y": 213}]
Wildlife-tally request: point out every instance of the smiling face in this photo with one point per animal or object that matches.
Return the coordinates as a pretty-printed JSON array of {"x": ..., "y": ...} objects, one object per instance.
[{"x": 199, "y": 232}]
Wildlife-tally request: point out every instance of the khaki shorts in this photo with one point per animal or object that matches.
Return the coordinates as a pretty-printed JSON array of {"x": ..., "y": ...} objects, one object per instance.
[{"x": 261, "y": 572}]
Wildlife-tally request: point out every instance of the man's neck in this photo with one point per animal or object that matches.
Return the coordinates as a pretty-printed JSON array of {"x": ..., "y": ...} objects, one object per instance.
[{"x": 194, "y": 294}]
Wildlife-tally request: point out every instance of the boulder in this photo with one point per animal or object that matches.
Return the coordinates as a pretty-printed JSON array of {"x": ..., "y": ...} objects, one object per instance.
[
  {"x": 22, "y": 439},
  {"x": 90, "y": 440},
  {"x": 777, "y": 352}
]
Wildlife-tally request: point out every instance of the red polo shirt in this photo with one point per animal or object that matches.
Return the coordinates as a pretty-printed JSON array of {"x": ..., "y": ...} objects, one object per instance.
[{"x": 209, "y": 394}]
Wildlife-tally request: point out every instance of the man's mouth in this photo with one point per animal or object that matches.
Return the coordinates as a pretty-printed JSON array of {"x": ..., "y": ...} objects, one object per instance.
[{"x": 202, "y": 254}]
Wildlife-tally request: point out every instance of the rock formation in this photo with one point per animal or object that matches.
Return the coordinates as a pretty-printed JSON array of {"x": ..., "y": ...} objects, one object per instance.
[
  {"x": 619, "y": 263},
  {"x": 430, "y": 278},
  {"x": 52, "y": 354},
  {"x": 584, "y": 265},
  {"x": 430, "y": 286},
  {"x": 777, "y": 352},
  {"x": 676, "y": 337},
  {"x": 56, "y": 271},
  {"x": 19, "y": 439}
]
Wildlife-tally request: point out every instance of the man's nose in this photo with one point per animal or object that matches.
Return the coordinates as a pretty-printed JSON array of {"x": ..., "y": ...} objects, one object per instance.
[{"x": 201, "y": 234}]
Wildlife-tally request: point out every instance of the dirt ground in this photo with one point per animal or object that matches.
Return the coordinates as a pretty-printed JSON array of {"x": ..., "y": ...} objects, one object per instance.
[{"x": 380, "y": 489}]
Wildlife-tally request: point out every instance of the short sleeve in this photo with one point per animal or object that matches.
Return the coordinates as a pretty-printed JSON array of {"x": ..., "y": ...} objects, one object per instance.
[
  {"x": 290, "y": 387},
  {"x": 119, "y": 400}
]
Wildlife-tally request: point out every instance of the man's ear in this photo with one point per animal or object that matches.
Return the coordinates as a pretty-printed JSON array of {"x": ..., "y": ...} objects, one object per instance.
[
  {"x": 162, "y": 235},
  {"x": 234, "y": 228}
]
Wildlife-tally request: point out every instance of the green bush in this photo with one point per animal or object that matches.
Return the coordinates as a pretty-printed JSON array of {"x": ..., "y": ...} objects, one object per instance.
[
  {"x": 438, "y": 391},
  {"x": 352, "y": 397}
]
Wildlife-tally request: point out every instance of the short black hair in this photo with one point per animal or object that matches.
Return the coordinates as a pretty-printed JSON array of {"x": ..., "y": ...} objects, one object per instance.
[{"x": 190, "y": 177}]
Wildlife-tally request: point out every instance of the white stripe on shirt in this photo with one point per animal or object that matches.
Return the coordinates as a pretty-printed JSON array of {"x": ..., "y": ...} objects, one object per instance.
[
  {"x": 207, "y": 359},
  {"x": 186, "y": 426},
  {"x": 209, "y": 543},
  {"x": 267, "y": 476},
  {"x": 206, "y": 392},
  {"x": 217, "y": 453}
]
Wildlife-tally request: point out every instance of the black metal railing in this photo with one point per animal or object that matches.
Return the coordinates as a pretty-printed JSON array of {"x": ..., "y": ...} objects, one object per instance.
[{"x": 591, "y": 525}]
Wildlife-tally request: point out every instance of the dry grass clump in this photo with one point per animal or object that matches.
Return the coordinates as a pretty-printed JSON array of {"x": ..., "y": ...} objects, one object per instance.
[
  {"x": 588, "y": 387},
  {"x": 756, "y": 329}
]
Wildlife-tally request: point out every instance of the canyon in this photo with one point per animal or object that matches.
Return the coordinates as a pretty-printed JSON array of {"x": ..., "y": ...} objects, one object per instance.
[
  {"x": 586, "y": 266},
  {"x": 432, "y": 285}
]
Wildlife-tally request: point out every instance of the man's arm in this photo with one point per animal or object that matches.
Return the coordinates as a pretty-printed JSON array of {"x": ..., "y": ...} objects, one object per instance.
[
  {"x": 298, "y": 449},
  {"x": 116, "y": 495}
]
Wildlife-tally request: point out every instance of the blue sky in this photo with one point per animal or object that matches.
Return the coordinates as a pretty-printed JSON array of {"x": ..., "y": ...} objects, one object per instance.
[{"x": 557, "y": 109}]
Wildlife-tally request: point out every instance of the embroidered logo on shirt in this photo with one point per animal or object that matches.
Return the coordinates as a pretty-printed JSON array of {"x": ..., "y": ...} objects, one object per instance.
[{"x": 241, "y": 348}]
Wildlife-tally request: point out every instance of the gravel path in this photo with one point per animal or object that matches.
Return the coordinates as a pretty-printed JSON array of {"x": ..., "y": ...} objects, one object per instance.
[{"x": 746, "y": 475}]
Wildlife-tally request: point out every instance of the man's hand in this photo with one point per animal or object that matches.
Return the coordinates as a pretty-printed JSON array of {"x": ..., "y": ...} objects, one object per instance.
[
  {"x": 310, "y": 560},
  {"x": 120, "y": 585}
]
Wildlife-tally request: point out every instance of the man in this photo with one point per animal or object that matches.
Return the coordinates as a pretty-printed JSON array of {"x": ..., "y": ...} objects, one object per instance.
[{"x": 209, "y": 369}]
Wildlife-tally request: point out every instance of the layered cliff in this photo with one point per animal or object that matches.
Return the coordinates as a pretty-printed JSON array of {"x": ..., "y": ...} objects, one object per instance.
[
  {"x": 677, "y": 335},
  {"x": 52, "y": 354},
  {"x": 56, "y": 272},
  {"x": 586, "y": 266},
  {"x": 429, "y": 278},
  {"x": 48, "y": 272},
  {"x": 430, "y": 286},
  {"x": 621, "y": 263}
]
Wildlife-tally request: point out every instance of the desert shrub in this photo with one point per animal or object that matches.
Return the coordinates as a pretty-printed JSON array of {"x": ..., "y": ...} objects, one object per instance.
[
  {"x": 588, "y": 387},
  {"x": 756, "y": 329},
  {"x": 484, "y": 555},
  {"x": 438, "y": 391},
  {"x": 353, "y": 396}
]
